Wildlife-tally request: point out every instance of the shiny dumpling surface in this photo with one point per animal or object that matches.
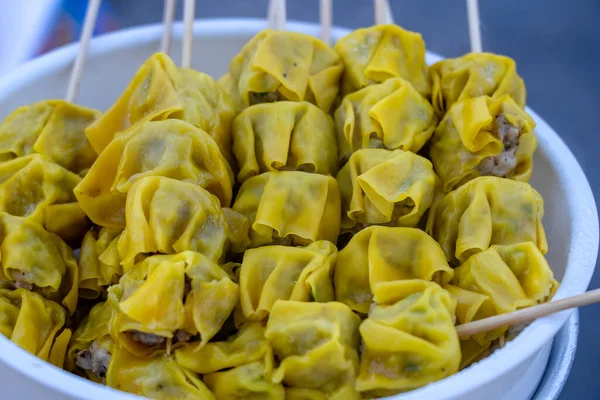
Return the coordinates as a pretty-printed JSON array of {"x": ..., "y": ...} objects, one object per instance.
[
  {"x": 290, "y": 207},
  {"x": 392, "y": 115},
  {"x": 34, "y": 324},
  {"x": 270, "y": 273},
  {"x": 170, "y": 148},
  {"x": 34, "y": 259},
  {"x": 487, "y": 211},
  {"x": 375, "y": 54},
  {"x": 40, "y": 190},
  {"x": 283, "y": 65},
  {"x": 99, "y": 264},
  {"x": 408, "y": 344},
  {"x": 316, "y": 344},
  {"x": 472, "y": 75},
  {"x": 168, "y": 216},
  {"x": 378, "y": 258},
  {"x": 483, "y": 136},
  {"x": 159, "y": 90},
  {"x": 385, "y": 187},
  {"x": 284, "y": 135},
  {"x": 54, "y": 128}
]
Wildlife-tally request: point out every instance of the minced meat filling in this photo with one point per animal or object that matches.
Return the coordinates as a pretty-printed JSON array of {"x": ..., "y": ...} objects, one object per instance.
[
  {"x": 266, "y": 97},
  {"x": 23, "y": 280},
  {"x": 95, "y": 359},
  {"x": 505, "y": 162},
  {"x": 149, "y": 339}
]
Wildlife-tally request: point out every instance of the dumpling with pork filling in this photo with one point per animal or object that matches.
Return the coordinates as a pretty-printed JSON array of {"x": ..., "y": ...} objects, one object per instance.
[
  {"x": 483, "y": 136},
  {"x": 99, "y": 264}
]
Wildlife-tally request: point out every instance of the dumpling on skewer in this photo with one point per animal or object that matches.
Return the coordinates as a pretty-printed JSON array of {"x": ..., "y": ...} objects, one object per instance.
[
  {"x": 474, "y": 75},
  {"x": 384, "y": 187},
  {"x": 290, "y": 207},
  {"x": 171, "y": 148},
  {"x": 375, "y": 54},
  {"x": 483, "y": 136},
  {"x": 282, "y": 65},
  {"x": 35, "y": 324},
  {"x": 378, "y": 257},
  {"x": 484, "y": 212},
  {"x": 99, "y": 263},
  {"x": 34, "y": 259},
  {"x": 408, "y": 343},
  {"x": 159, "y": 90},
  {"x": 391, "y": 115},
  {"x": 54, "y": 128},
  {"x": 284, "y": 136}
]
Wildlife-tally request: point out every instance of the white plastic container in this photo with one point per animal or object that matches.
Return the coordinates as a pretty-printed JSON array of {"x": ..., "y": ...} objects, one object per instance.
[{"x": 512, "y": 373}]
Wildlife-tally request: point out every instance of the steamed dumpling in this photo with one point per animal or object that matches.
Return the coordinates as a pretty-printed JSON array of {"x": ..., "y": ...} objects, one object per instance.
[{"x": 99, "y": 264}]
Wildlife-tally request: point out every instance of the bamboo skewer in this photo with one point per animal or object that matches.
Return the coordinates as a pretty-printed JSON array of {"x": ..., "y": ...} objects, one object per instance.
[
  {"x": 89, "y": 23},
  {"x": 277, "y": 14},
  {"x": 474, "y": 28},
  {"x": 168, "y": 16},
  {"x": 188, "y": 33},
  {"x": 383, "y": 12},
  {"x": 271, "y": 12},
  {"x": 527, "y": 314},
  {"x": 326, "y": 10}
]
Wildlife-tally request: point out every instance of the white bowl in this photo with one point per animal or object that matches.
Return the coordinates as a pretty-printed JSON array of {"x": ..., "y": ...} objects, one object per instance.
[{"x": 513, "y": 372}]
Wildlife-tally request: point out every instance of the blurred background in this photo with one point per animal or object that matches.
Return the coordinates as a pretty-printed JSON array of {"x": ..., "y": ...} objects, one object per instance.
[{"x": 556, "y": 45}]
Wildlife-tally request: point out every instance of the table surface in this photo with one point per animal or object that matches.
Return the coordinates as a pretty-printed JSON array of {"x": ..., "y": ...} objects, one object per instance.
[{"x": 555, "y": 44}]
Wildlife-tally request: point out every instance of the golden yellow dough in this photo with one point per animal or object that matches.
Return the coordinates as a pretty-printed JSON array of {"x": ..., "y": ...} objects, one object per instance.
[
  {"x": 159, "y": 90},
  {"x": 171, "y": 148},
  {"x": 391, "y": 115},
  {"x": 379, "y": 258},
  {"x": 375, "y": 54},
  {"x": 34, "y": 259},
  {"x": 473, "y": 75},
  {"x": 98, "y": 262},
  {"x": 385, "y": 187},
  {"x": 168, "y": 216},
  {"x": 282, "y": 65},
  {"x": 270, "y": 273},
  {"x": 408, "y": 344},
  {"x": 171, "y": 297},
  {"x": 483, "y": 136},
  {"x": 290, "y": 207},
  {"x": 284, "y": 136},
  {"x": 54, "y": 128},
  {"x": 484, "y": 212},
  {"x": 35, "y": 324},
  {"x": 316, "y": 344}
]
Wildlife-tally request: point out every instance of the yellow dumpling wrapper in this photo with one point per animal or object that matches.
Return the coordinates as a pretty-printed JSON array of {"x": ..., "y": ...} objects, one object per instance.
[
  {"x": 171, "y": 148},
  {"x": 34, "y": 259},
  {"x": 284, "y": 136},
  {"x": 487, "y": 211},
  {"x": 483, "y": 136},
  {"x": 316, "y": 344},
  {"x": 33, "y": 323},
  {"x": 168, "y": 216},
  {"x": 375, "y": 54},
  {"x": 54, "y": 128},
  {"x": 379, "y": 258},
  {"x": 391, "y": 115},
  {"x": 283, "y": 65},
  {"x": 271, "y": 273},
  {"x": 249, "y": 381},
  {"x": 473, "y": 75},
  {"x": 408, "y": 344},
  {"x": 290, "y": 207},
  {"x": 36, "y": 188},
  {"x": 385, "y": 187},
  {"x": 158, "y": 377},
  {"x": 159, "y": 90},
  {"x": 96, "y": 272},
  {"x": 154, "y": 298}
]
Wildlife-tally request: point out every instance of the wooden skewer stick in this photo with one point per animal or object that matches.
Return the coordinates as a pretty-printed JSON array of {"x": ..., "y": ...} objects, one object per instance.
[
  {"x": 326, "y": 8},
  {"x": 271, "y": 13},
  {"x": 383, "y": 12},
  {"x": 280, "y": 15},
  {"x": 527, "y": 314},
  {"x": 188, "y": 33},
  {"x": 91, "y": 15},
  {"x": 168, "y": 16},
  {"x": 389, "y": 17},
  {"x": 474, "y": 28}
]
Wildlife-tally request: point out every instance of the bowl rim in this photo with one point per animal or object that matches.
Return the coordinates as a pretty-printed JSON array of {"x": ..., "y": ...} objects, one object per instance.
[{"x": 581, "y": 206}]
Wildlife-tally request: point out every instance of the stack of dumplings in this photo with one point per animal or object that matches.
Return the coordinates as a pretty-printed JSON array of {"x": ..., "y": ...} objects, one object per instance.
[{"x": 312, "y": 226}]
